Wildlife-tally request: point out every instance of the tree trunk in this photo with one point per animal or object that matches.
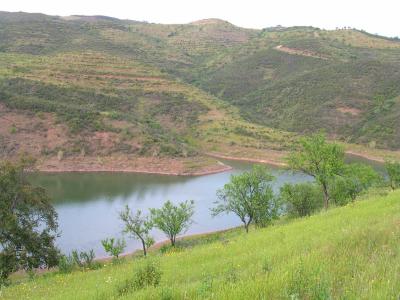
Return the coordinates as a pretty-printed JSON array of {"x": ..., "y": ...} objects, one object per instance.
[
  {"x": 246, "y": 226},
  {"x": 172, "y": 239},
  {"x": 144, "y": 248},
  {"x": 326, "y": 195}
]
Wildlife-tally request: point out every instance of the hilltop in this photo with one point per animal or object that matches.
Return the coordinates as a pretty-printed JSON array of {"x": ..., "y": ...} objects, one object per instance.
[
  {"x": 347, "y": 252},
  {"x": 99, "y": 93}
]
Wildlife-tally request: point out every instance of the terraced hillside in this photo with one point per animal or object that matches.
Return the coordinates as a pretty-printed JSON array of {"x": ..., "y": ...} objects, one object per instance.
[
  {"x": 300, "y": 79},
  {"x": 98, "y": 93}
]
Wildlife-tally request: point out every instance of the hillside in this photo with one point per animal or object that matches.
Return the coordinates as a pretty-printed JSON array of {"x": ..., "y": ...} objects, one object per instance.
[
  {"x": 300, "y": 79},
  {"x": 98, "y": 93},
  {"x": 99, "y": 105},
  {"x": 345, "y": 253}
]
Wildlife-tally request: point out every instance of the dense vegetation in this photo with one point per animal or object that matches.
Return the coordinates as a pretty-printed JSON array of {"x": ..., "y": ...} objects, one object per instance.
[{"x": 28, "y": 223}]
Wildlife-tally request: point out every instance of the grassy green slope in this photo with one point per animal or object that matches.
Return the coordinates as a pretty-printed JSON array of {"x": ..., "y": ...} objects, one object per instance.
[{"x": 348, "y": 253}]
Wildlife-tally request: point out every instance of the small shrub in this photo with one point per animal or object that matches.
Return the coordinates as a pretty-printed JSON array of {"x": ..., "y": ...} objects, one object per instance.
[
  {"x": 66, "y": 264},
  {"x": 206, "y": 285},
  {"x": 393, "y": 171},
  {"x": 76, "y": 258},
  {"x": 85, "y": 259},
  {"x": 301, "y": 199},
  {"x": 31, "y": 274},
  {"x": 3, "y": 282},
  {"x": 168, "y": 249},
  {"x": 13, "y": 129},
  {"x": 125, "y": 287},
  {"x": 149, "y": 275},
  {"x": 114, "y": 247}
]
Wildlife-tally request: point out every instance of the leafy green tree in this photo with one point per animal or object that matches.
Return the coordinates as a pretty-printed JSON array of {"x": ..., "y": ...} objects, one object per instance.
[
  {"x": 138, "y": 227},
  {"x": 249, "y": 195},
  {"x": 319, "y": 159},
  {"x": 28, "y": 222},
  {"x": 393, "y": 171},
  {"x": 114, "y": 247},
  {"x": 354, "y": 179},
  {"x": 301, "y": 199},
  {"x": 173, "y": 219}
]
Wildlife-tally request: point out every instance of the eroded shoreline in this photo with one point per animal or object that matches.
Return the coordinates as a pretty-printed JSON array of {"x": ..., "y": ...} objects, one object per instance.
[{"x": 171, "y": 167}]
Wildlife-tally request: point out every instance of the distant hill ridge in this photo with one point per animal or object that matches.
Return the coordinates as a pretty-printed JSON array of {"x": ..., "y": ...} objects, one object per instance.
[{"x": 178, "y": 90}]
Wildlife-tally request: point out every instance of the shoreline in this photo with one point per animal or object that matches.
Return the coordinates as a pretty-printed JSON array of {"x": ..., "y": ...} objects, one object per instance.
[
  {"x": 224, "y": 168},
  {"x": 365, "y": 156},
  {"x": 220, "y": 169},
  {"x": 245, "y": 159}
]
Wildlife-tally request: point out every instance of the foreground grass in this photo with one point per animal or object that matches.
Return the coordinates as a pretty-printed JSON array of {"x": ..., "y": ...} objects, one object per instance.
[{"x": 349, "y": 253}]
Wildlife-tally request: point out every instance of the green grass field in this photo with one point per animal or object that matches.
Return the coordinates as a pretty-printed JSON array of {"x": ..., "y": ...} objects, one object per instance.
[{"x": 350, "y": 252}]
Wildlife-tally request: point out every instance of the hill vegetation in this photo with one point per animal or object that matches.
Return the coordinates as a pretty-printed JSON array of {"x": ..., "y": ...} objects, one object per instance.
[
  {"x": 98, "y": 99},
  {"x": 98, "y": 92}
]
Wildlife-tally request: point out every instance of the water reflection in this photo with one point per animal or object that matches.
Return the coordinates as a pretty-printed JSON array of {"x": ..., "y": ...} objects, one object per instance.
[{"x": 88, "y": 204}]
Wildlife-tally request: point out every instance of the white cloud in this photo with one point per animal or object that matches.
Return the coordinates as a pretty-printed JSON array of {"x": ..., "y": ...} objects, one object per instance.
[{"x": 374, "y": 16}]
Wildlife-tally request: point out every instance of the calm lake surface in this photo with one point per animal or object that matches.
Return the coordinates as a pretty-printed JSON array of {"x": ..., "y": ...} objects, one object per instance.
[{"x": 88, "y": 203}]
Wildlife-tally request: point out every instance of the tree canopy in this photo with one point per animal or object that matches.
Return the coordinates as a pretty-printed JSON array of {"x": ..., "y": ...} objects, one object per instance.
[
  {"x": 28, "y": 222},
  {"x": 393, "y": 171},
  {"x": 173, "y": 219},
  {"x": 319, "y": 159},
  {"x": 138, "y": 227},
  {"x": 249, "y": 195},
  {"x": 301, "y": 199},
  {"x": 353, "y": 179}
]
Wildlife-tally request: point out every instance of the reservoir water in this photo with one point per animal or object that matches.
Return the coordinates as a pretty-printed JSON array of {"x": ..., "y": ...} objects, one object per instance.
[{"x": 88, "y": 203}]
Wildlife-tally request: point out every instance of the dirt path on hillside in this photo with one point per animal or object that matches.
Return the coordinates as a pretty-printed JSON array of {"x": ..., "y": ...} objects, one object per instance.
[
  {"x": 300, "y": 52},
  {"x": 247, "y": 159},
  {"x": 366, "y": 156}
]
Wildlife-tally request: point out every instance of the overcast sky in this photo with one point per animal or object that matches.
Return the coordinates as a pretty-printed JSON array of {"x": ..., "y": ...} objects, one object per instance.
[{"x": 382, "y": 16}]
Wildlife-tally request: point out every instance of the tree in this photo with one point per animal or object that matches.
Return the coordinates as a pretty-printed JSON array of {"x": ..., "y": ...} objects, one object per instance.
[
  {"x": 114, "y": 247},
  {"x": 173, "y": 219},
  {"x": 301, "y": 199},
  {"x": 319, "y": 159},
  {"x": 354, "y": 179},
  {"x": 393, "y": 171},
  {"x": 249, "y": 195},
  {"x": 138, "y": 227},
  {"x": 28, "y": 222}
]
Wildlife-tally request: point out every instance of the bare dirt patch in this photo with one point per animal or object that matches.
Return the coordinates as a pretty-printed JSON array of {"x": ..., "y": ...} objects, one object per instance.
[
  {"x": 301, "y": 52},
  {"x": 133, "y": 164},
  {"x": 28, "y": 133},
  {"x": 349, "y": 110},
  {"x": 269, "y": 157}
]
